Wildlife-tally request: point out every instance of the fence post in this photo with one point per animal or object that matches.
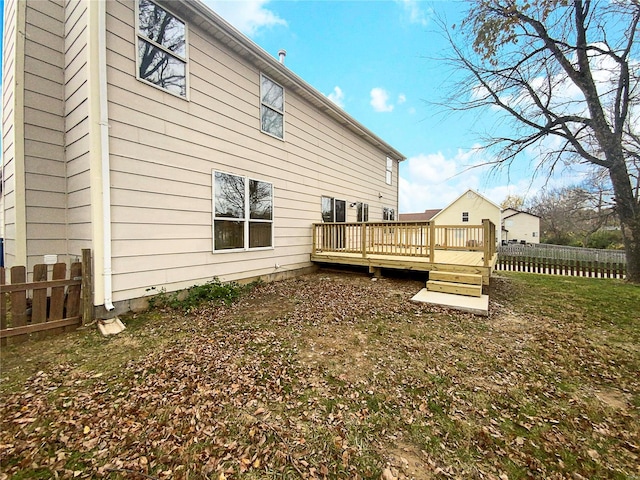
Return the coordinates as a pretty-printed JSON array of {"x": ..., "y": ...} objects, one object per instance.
[
  {"x": 19, "y": 297},
  {"x": 3, "y": 302},
  {"x": 87, "y": 287}
]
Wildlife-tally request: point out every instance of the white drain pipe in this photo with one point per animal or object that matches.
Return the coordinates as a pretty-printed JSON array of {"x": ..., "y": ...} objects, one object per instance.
[{"x": 106, "y": 166}]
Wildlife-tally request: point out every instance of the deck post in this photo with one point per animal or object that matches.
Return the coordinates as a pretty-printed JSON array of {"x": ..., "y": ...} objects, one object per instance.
[
  {"x": 314, "y": 235},
  {"x": 363, "y": 239},
  {"x": 432, "y": 241},
  {"x": 486, "y": 224}
]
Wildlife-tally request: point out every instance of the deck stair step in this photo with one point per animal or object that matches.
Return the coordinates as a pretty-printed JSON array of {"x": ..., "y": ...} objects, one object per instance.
[
  {"x": 455, "y": 288},
  {"x": 453, "y": 277}
]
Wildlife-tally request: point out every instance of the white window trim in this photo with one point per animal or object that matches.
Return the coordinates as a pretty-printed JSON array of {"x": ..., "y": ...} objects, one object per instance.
[
  {"x": 333, "y": 207},
  {"x": 262, "y": 75},
  {"x": 391, "y": 210},
  {"x": 245, "y": 219},
  {"x": 365, "y": 211},
  {"x": 388, "y": 173},
  {"x": 164, "y": 49}
]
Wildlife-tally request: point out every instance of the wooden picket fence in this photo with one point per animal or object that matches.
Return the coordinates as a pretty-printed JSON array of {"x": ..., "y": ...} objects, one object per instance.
[
  {"x": 52, "y": 306},
  {"x": 575, "y": 268}
]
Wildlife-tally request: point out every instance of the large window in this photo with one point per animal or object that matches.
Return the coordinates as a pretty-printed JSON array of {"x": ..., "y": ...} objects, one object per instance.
[
  {"x": 242, "y": 212},
  {"x": 389, "y": 171},
  {"x": 271, "y": 107},
  {"x": 162, "y": 48}
]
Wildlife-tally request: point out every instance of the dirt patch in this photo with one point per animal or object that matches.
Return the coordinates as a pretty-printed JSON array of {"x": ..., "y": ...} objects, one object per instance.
[
  {"x": 344, "y": 353},
  {"x": 614, "y": 399},
  {"x": 405, "y": 463}
]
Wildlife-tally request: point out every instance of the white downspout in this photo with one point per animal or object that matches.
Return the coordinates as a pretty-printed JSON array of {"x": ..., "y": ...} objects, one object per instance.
[{"x": 104, "y": 143}]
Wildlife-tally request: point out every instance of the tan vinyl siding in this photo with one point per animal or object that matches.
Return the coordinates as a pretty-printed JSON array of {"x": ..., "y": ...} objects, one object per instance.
[
  {"x": 8, "y": 213},
  {"x": 163, "y": 149},
  {"x": 45, "y": 195},
  {"x": 76, "y": 113}
]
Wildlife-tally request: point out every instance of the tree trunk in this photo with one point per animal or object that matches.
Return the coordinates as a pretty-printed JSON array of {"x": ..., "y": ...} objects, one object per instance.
[{"x": 628, "y": 212}]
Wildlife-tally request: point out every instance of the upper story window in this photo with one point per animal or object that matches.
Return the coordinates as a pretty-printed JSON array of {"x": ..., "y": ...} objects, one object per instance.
[
  {"x": 465, "y": 216},
  {"x": 243, "y": 213},
  {"x": 162, "y": 48},
  {"x": 389, "y": 171},
  {"x": 271, "y": 107}
]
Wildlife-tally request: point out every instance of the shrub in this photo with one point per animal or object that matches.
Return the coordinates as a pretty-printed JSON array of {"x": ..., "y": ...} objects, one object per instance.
[{"x": 214, "y": 291}]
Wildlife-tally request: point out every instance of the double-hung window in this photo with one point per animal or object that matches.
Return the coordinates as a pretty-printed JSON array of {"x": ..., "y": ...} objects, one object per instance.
[
  {"x": 162, "y": 48},
  {"x": 388, "y": 214},
  {"x": 242, "y": 213},
  {"x": 465, "y": 217},
  {"x": 271, "y": 107},
  {"x": 389, "y": 171}
]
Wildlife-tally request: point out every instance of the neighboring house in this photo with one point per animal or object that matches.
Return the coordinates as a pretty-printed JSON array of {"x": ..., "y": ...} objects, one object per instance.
[
  {"x": 520, "y": 226},
  {"x": 173, "y": 146},
  {"x": 470, "y": 208},
  {"x": 418, "y": 217}
]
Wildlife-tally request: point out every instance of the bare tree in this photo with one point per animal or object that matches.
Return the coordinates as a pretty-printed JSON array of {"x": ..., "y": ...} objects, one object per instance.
[
  {"x": 516, "y": 202},
  {"x": 573, "y": 214},
  {"x": 565, "y": 75}
]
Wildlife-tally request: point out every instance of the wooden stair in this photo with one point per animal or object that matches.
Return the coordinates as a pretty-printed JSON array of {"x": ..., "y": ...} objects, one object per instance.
[{"x": 467, "y": 284}]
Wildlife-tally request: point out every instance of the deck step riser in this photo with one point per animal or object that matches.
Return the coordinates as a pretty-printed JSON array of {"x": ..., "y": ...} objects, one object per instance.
[
  {"x": 455, "y": 288},
  {"x": 452, "y": 277}
]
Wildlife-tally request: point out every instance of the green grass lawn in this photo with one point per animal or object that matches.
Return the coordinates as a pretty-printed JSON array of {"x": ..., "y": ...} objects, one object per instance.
[{"x": 332, "y": 375}]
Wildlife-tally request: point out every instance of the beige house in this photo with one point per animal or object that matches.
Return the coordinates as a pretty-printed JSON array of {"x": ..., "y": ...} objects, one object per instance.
[
  {"x": 520, "y": 226},
  {"x": 470, "y": 208},
  {"x": 156, "y": 134}
]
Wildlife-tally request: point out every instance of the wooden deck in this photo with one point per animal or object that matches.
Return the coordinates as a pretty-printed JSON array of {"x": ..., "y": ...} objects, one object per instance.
[{"x": 418, "y": 246}]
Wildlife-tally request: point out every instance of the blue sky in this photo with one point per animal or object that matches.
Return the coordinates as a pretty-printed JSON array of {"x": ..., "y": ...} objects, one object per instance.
[{"x": 379, "y": 61}]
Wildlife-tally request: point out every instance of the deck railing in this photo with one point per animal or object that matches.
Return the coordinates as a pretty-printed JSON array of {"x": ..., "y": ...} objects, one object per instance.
[{"x": 412, "y": 239}]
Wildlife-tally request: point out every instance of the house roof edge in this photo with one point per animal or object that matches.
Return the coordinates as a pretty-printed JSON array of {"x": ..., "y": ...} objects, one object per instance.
[{"x": 273, "y": 67}]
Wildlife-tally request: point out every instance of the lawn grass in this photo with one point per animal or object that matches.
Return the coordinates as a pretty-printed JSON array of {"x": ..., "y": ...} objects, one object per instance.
[{"x": 332, "y": 375}]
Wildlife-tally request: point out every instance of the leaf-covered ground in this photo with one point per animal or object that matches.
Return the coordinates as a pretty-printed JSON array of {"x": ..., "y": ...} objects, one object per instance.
[{"x": 333, "y": 375}]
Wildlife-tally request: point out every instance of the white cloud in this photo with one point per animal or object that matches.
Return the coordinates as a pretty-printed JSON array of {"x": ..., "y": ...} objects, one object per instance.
[
  {"x": 248, "y": 16},
  {"x": 337, "y": 96},
  {"x": 415, "y": 13},
  {"x": 379, "y": 99},
  {"x": 402, "y": 98},
  {"x": 433, "y": 181}
]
